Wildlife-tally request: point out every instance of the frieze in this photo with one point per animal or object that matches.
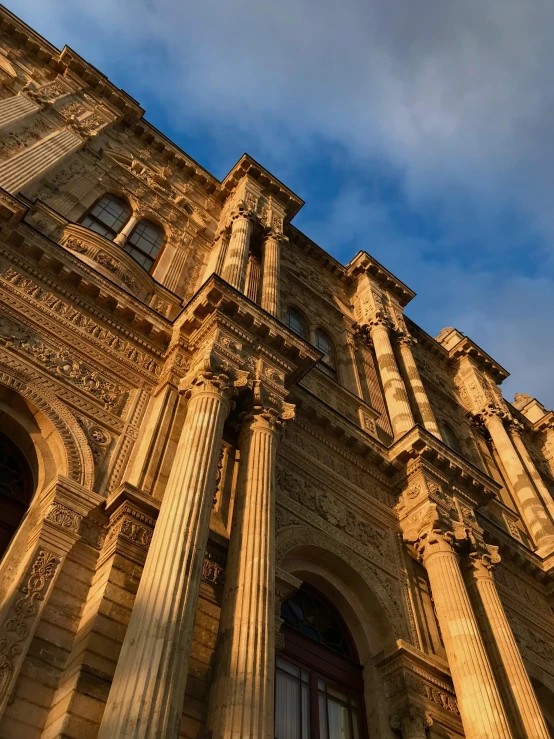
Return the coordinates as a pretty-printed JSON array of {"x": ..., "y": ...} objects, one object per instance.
[
  {"x": 77, "y": 318},
  {"x": 25, "y": 136},
  {"x": 62, "y": 364},
  {"x": 345, "y": 465},
  {"x": 532, "y": 644},
  {"x": 334, "y": 511}
]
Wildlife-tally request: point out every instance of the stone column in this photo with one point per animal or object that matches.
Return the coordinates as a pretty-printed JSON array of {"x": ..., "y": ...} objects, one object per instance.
[
  {"x": 481, "y": 708},
  {"x": 146, "y": 698},
  {"x": 33, "y": 162},
  {"x": 529, "y": 504},
  {"x": 513, "y": 680},
  {"x": 396, "y": 397},
  {"x": 123, "y": 235},
  {"x": 16, "y": 107},
  {"x": 405, "y": 342},
  {"x": 412, "y": 722},
  {"x": 271, "y": 273},
  {"x": 236, "y": 259},
  {"x": 516, "y": 430},
  {"x": 244, "y": 689}
]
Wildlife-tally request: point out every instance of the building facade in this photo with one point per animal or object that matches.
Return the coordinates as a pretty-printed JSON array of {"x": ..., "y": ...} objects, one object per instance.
[{"x": 242, "y": 494}]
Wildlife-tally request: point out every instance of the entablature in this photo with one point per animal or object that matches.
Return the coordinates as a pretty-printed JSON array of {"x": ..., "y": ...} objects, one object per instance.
[
  {"x": 365, "y": 263},
  {"x": 459, "y": 346}
]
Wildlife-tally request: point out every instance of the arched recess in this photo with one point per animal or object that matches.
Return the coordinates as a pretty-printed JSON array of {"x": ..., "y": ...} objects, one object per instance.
[
  {"x": 363, "y": 602},
  {"x": 48, "y": 433}
]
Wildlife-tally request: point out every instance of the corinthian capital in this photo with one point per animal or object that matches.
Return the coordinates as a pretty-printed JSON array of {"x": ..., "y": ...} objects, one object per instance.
[
  {"x": 428, "y": 530},
  {"x": 379, "y": 319},
  {"x": 210, "y": 374},
  {"x": 403, "y": 337},
  {"x": 411, "y": 721},
  {"x": 268, "y": 410},
  {"x": 483, "y": 559}
]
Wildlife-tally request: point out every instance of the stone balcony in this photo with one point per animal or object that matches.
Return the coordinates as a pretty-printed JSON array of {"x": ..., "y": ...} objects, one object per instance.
[{"x": 114, "y": 263}]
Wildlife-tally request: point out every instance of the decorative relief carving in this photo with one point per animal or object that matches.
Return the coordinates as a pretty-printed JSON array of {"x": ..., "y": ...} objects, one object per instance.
[
  {"x": 325, "y": 455},
  {"x": 60, "y": 363},
  {"x": 25, "y": 136},
  {"x": 17, "y": 627},
  {"x": 64, "y": 517},
  {"x": 74, "y": 316},
  {"x": 212, "y": 571},
  {"x": 131, "y": 525},
  {"x": 329, "y": 507},
  {"x": 531, "y": 642},
  {"x": 99, "y": 439},
  {"x": 405, "y": 680}
]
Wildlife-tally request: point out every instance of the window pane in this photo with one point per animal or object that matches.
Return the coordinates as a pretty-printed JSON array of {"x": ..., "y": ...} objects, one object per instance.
[
  {"x": 322, "y": 701},
  {"x": 99, "y": 228},
  {"x": 305, "y": 711},
  {"x": 339, "y": 724},
  {"x": 296, "y": 323},
  {"x": 325, "y": 346},
  {"x": 112, "y": 211},
  {"x": 287, "y": 706},
  {"x": 147, "y": 237}
]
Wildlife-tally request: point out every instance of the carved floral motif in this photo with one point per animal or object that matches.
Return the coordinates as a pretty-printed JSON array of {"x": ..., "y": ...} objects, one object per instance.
[
  {"x": 16, "y": 628},
  {"x": 64, "y": 517},
  {"x": 87, "y": 324}
]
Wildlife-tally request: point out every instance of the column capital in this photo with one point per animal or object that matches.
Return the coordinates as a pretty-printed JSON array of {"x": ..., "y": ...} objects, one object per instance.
[
  {"x": 491, "y": 411},
  {"x": 482, "y": 560},
  {"x": 411, "y": 721},
  {"x": 431, "y": 532},
  {"x": 242, "y": 213},
  {"x": 379, "y": 320},
  {"x": 405, "y": 338},
  {"x": 272, "y": 234},
  {"x": 210, "y": 374},
  {"x": 268, "y": 411}
]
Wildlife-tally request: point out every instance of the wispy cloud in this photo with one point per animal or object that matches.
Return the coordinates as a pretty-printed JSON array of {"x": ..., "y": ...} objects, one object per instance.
[{"x": 419, "y": 131}]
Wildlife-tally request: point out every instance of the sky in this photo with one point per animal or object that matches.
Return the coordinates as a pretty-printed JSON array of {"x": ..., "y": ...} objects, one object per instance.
[{"x": 418, "y": 131}]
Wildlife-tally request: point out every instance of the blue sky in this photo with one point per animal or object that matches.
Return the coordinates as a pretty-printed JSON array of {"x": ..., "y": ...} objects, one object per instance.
[{"x": 421, "y": 132}]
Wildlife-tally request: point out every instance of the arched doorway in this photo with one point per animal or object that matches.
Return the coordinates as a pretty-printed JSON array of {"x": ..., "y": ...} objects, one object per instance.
[
  {"x": 318, "y": 679},
  {"x": 16, "y": 489}
]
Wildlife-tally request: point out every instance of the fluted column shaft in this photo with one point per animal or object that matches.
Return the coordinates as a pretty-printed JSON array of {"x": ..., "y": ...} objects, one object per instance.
[
  {"x": 396, "y": 396},
  {"x": 28, "y": 164},
  {"x": 243, "y": 701},
  {"x": 16, "y": 107},
  {"x": 534, "y": 474},
  {"x": 481, "y": 708},
  {"x": 236, "y": 259},
  {"x": 531, "y": 507},
  {"x": 414, "y": 380},
  {"x": 513, "y": 680},
  {"x": 146, "y": 698},
  {"x": 270, "y": 274}
]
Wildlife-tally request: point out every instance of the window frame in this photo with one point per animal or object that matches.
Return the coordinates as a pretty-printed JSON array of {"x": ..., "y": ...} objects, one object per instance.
[
  {"x": 344, "y": 673},
  {"x": 128, "y": 242},
  {"x": 328, "y": 368},
  {"x": 89, "y": 214},
  {"x": 293, "y": 309}
]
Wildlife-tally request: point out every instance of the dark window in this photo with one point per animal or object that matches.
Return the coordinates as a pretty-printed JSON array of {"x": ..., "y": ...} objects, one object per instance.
[
  {"x": 144, "y": 243},
  {"x": 108, "y": 216},
  {"x": 296, "y": 322},
  {"x": 450, "y": 438},
  {"x": 16, "y": 489},
  {"x": 328, "y": 363},
  {"x": 318, "y": 679}
]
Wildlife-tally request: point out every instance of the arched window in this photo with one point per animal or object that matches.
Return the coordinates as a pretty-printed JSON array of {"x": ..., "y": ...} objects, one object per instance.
[
  {"x": 144, "y": 243},
  {"x": 16, "y": 489},
  {"x": 318, "y": 678},
  {"x": 108, "y": 216},
  {"x": 450, "y": 438},
  {"x": 328, "y": 363},
  {"x": 296, "y": 322}
]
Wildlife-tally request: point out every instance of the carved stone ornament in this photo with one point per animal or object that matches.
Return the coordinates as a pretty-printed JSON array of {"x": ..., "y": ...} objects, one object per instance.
[
  {"x": 17, "y": 627},
  {"x": 64, "y": 517},
  {"x": 65, "y": 311}
]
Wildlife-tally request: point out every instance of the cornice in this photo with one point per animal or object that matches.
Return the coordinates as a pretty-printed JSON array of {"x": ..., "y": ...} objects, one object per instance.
[
  {"x": 246, "y": 165},
  {"x": 364, "y": 262},
  {"x": 468, "y": 348},
  {"x": 419, "y": 443},
  {"x": 217, "y": 297}
]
